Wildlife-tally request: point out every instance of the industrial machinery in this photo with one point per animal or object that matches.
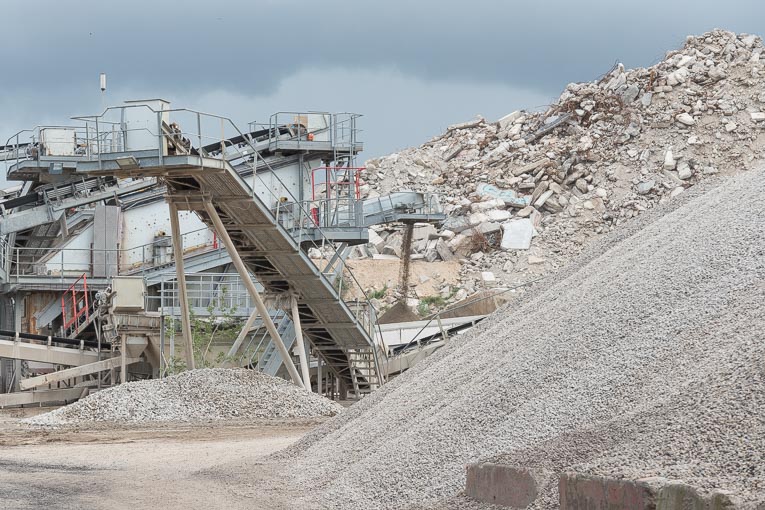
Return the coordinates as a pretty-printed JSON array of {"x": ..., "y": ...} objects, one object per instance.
[{"x": 204, "y": 215}]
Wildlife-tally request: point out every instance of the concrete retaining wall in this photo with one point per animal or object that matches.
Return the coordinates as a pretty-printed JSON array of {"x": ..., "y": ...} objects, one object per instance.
[
  {"x": 503, "y": 485},
  {"x": 517, "y": 487}
]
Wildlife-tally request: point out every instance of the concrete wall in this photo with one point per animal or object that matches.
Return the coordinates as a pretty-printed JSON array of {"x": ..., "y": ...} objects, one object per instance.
[
  {"x": 503, "y": 485},
  {"x": 517, "y": 487}
]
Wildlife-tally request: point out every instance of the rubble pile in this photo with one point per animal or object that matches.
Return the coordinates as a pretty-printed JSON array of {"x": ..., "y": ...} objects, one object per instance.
[
  {"x": 528, "y": 192},
  {"x": 642, "y": 358},
  {"x": 194, "y": 396}
]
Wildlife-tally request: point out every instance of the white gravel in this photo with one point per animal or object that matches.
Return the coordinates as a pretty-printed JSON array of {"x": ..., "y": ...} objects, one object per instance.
[
  {"x": 196, "y": 395},
  {"x": 645, "y": 358}
]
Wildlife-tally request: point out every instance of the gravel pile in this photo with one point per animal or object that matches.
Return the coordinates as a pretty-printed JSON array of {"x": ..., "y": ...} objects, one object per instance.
[
  {"x": 197, "y": 395},
  {"x": 644, "y": 359}
]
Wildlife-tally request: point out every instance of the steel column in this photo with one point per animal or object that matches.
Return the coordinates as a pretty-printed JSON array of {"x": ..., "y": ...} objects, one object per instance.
[
  {"x": 123, "y": 360},
  {"x": 300, "y": 344},
  {"x": 243, "y": 334},
  {"x": 181, "y": 284},
  {"x": 259, "y": 304}
]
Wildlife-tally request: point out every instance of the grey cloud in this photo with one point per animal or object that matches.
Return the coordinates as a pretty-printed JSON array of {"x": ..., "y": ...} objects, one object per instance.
[
  {"x": 53, "y": 51},
  {"x": 251, "y": 46}
]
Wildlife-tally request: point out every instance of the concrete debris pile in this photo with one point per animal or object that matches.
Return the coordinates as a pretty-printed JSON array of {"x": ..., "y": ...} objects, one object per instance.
[
  {"x": 642, "y": 358},
  {"x": 527, "y": 192},
  {"x": 197, "y": 395}
]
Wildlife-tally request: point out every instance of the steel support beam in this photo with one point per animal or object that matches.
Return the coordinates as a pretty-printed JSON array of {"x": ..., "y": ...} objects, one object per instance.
[
  {"x": 42, "y": 396},
  {"x": 181, "y": 279},
  {"x": 300, "y": 344},
  {"x": 71, "y": 373},
  {"x": 243, "y": 334},
  {"x": 45, "y": 354},
  {"x": 259, "y": 304}
]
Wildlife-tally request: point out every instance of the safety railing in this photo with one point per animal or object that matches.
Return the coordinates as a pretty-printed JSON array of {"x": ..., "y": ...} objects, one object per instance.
[
  {"x": 334, "y": 180},
  {"x": 218, "y": 294},
  {"x": 309, "y": 130},
  {"x": 159, "y": 252},
  {"x": 16, "y": 262},
  {"x": 335, "y": 212},
  {"x": 74, "y": 303},
  {"x": 52, "y": 141}
]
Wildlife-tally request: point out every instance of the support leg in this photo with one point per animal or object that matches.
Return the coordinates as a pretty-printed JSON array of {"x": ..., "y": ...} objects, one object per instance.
[
  {"x": 181, "y": 281},
  {"x": 300, "y": 344},
  {"x": 18, "y": 311},
  {"x": 259, "y": 305},
  {"x": 318, "y": 374},
  {"x": 123, "y": 360},
  {"x": 243, "y": 334}
]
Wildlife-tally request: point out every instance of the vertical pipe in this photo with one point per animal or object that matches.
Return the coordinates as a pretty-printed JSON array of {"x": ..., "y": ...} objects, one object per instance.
[
  {"x": 98, "y": 336},
  {"x": 245, "y": 276},
  {"x": 123, "y": 360},
  {"x": 300, "y": 344},
  {"x": 318, "y": 374},
  {"x": 161, "y": 345},
  {"x": 181, "y": 283}
]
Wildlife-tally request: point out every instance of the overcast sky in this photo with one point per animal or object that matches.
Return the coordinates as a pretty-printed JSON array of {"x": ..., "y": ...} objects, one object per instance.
[{"x": 411, "y": 67}]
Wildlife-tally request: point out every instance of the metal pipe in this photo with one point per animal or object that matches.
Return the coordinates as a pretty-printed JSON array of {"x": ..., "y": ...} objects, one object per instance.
[
  {"x": 259, "y": 304},
  {"x": 181, "y": 282}
]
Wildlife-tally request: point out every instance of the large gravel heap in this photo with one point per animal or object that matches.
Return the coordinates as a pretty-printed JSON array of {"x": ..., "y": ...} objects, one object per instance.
[
  {"x": 645, "y": 359},
  {"x": 602, "y": 153},
  {"x": 196, "y": 395}
]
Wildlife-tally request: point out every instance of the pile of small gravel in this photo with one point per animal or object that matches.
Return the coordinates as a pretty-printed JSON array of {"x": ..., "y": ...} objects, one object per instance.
[
  {"x": 196, "y": 395},
  {"x": 646, "y": 359}
]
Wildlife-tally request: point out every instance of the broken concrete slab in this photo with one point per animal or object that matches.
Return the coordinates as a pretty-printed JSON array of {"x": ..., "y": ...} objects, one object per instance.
[
  {"x": 517, "y": 234},
  {"x": 580, "y": 491},
  {"x": 509, "y": 197},
  {"x": 508, "y": 120},
  {"x": 503, "y": 485}
]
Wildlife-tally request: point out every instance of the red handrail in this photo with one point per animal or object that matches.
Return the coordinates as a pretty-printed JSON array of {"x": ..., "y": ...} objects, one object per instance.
[
  {"x": 78, "y": 304},
  {"x": 327, "y": 169}
]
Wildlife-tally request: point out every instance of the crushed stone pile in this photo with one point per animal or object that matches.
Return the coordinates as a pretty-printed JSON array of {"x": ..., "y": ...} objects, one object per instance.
[
  {"x": 527, "y": 193},
  {"x": 643, "y": 358},
  {"x": 196, "y": 395}
]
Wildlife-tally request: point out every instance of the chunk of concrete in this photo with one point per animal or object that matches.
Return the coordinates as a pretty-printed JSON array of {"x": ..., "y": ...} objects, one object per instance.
[
  {"x": 456, "y": 224},
  {"x": 580, "y": 491},
  {"x": 444, "y": 251},
  {"x": 499, "y": 215},
  {"x": 517, "y": 234},
  {"x": 503, "y": 485},
  {"x": 508, "y": 120}
]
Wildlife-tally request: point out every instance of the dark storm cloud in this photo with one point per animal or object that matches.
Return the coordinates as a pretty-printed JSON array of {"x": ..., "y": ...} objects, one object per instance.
[
  {"x": 250, "y": 46},
  {"x": 411, "y": 66}
]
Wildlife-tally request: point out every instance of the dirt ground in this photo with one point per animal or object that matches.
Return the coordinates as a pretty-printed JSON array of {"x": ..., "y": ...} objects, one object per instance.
[
  {"x": 171, "y": 466},
  {"x": 376, "y": 274}
]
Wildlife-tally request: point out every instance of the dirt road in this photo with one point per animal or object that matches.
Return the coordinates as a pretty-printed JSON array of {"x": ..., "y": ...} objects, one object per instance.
[{"x": 167, "y": 467}]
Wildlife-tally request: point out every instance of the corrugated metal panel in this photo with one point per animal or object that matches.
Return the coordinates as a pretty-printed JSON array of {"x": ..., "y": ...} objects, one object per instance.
[{"x": 106, "y": 236}]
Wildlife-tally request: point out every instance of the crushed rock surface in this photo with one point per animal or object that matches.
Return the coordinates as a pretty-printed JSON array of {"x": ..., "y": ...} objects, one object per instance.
[
  {"x": 197, "y": 395},
  {"x": 602, "y": 153},
  {"x": 645, "y": 358}
]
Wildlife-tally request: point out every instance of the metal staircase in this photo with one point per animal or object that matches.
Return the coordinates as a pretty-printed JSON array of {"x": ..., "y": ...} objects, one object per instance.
[
  {"x": 271, "y": 360},
  {"x": 83, "y": 321},
  {"x": 365, "y": 372}
]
